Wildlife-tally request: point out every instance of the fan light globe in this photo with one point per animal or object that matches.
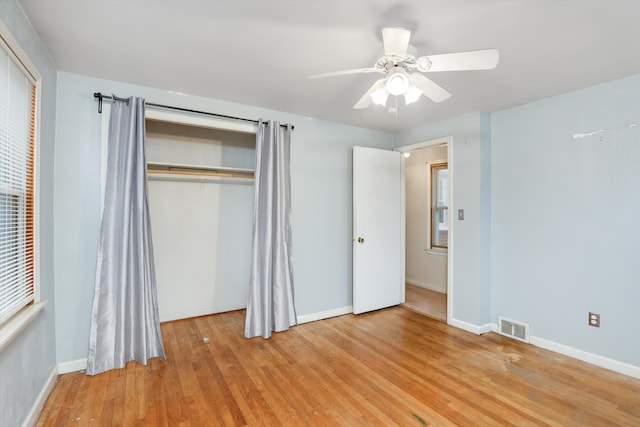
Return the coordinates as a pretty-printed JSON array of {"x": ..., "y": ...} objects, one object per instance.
[
  {"x": 380, "y": 95},
  {"x": 397, "y": 83},
  {"x": 411, "y": 95}
]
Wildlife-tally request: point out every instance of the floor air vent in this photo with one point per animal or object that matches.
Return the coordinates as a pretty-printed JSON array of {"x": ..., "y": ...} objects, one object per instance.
[{"x": 513, "y": 329}]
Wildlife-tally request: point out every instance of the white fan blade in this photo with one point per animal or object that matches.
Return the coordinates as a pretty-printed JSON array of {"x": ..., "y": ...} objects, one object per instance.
[
  {"x": 344, "y": 72},
  {"x": 430, "y": 89},
  {"x": 366, "y": 99},
  {"x": 396, "y": 41},
  {"x": 486, "y": 59}
]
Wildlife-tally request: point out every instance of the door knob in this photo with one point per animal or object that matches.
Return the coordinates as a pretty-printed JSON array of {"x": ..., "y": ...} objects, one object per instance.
[{"x": 360, "y": 240}]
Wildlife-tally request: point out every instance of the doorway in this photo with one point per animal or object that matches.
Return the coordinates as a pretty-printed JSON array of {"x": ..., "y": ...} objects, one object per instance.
[{"x": 427, "y": 195}]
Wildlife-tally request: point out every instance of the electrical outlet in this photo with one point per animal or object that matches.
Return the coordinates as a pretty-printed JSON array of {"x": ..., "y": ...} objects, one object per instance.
[{"x": 594, "y": 320}]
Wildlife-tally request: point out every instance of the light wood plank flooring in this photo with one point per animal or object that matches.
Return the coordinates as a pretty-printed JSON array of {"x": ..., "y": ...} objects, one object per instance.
[
  {"x": 426, "y": 301},
  {"x": 390, "y": 367}
]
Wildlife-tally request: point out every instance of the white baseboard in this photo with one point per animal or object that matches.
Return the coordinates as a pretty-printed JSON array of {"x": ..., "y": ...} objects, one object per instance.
[
  {"x": 426, "y": 286},
  {"x": 585, "y": 356},
  {"x": 306, "y": 318},
  {"x": 34, "y": 412},
  {"x": 72, "y": 366},
  {"x": 594, "y": 359},
  {"x": 470, "y": 327}
]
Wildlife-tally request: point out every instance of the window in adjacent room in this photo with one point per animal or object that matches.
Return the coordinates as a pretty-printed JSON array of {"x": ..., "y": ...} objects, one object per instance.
[
  {"x": 439, "y": 210},
  {"x": 17, "y": 151}
]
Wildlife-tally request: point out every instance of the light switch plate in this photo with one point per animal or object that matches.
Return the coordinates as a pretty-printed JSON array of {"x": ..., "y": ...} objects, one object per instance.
[
  {"x": 594, "y": 319},
  {"x": 461, "y": 214}
]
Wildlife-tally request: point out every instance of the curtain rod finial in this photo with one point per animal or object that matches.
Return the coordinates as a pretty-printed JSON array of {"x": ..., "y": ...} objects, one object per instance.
[{"x": 99, "y": 96}]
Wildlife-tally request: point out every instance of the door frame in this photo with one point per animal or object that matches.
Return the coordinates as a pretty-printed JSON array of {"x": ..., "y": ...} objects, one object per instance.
[{"x": 448, "y": 142}]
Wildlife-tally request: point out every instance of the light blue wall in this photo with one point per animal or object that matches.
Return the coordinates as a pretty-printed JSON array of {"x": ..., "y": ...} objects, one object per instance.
[
  {"x": 321, "y": 201},
  {"x": 549, "y": 231},
  {"x": 470, "y": 153},
  {"x": 565, "y": 234},
  {"x": 27, "y": 362}
]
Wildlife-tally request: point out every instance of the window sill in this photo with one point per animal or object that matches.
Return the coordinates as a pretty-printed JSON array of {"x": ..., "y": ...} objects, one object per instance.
[
  {"x": 12, "y": 327},
  {"x": 441, "y": 252}
]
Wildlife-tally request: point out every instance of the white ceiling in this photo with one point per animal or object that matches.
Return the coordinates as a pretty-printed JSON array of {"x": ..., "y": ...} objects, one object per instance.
[{"x": 260, "y": 52}]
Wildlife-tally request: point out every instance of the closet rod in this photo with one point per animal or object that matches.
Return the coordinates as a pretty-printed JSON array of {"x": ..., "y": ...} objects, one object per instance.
[{"x": 100, "y": 97}]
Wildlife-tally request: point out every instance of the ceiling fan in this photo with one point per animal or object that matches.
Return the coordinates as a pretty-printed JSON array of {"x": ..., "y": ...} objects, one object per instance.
[{"x": 400, "y": 63}]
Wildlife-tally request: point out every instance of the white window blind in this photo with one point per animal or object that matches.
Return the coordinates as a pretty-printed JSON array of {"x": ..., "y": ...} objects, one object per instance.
[{"x": 17, "y": 138}]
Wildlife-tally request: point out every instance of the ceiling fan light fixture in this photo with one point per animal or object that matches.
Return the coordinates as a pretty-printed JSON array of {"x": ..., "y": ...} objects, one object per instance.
[
  {"x": 412, "y": 95},
  {"x": 398, "y": 82}
]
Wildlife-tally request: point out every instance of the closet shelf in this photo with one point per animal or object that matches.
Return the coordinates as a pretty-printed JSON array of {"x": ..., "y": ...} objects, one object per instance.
[
  {"x": 198, "y": 170},
  {"x": 201, "y": 179}
]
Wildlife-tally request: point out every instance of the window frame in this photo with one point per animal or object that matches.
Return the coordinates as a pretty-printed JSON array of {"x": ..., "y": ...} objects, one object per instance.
[
  {"x": 20, "y": 317},
  {"x": 433, "y": 191}
]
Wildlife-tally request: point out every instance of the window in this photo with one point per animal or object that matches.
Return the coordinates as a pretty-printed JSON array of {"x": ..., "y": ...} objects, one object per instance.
[
  {"x": 17, "y": 147},
  {"x": 439, "y": 206}
]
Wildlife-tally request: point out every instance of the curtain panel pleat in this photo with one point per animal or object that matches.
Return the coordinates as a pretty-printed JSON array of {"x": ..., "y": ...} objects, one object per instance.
[
  {"x": 125, "y": 324},
  {"x": 270, "y": 306}
]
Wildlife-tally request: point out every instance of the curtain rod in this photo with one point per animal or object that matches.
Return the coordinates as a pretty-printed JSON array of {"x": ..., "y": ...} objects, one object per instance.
[{"x": 100, "y": 97}]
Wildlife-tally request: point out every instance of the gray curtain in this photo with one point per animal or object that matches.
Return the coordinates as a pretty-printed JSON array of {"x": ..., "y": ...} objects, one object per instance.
[
  {"x": 270, "y": 306},
  {"x": 125, "y": 324}
]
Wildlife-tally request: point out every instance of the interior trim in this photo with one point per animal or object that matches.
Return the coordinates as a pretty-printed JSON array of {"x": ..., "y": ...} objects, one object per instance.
[{"x": 12, "y": 327}]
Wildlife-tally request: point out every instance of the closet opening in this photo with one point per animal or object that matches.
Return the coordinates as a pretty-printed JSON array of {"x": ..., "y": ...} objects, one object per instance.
[{"x": 200, "y": 182}]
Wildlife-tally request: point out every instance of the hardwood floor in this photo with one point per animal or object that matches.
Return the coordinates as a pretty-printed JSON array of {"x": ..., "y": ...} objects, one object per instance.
[
  {"x": 426, "y": 301},
  {"x": 390, "y": 367}
]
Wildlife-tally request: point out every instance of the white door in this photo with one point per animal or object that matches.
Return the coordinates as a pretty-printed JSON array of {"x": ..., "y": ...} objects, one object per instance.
[{"x": 378, "y": 229}]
